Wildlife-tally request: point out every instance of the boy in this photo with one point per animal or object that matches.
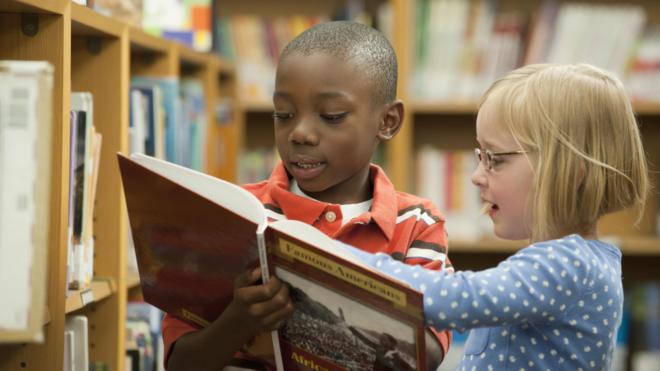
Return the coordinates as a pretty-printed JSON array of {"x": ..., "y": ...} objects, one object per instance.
[{"x": 335, "y": 101}]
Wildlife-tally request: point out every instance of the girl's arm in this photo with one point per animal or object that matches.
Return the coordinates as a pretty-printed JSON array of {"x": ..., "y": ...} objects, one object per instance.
[{"x": 537, "y": 283}]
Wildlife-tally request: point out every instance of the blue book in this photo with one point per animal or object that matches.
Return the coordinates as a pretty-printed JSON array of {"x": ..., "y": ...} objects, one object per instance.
[{"x": 169, "y": 88}]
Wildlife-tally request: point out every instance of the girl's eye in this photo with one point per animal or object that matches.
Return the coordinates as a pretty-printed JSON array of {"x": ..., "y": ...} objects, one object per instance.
[
  {"x": 334, "y": 118},
  {"x": 495, "y": 160},
  {"x": 282, "y": 116}
]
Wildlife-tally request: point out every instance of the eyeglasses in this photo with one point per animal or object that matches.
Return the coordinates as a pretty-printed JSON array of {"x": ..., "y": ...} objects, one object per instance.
[{"x": 491, "y": 159}]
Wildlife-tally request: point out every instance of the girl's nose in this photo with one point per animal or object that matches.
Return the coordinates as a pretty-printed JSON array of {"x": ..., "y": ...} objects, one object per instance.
[{"x": 479, "y": 176}]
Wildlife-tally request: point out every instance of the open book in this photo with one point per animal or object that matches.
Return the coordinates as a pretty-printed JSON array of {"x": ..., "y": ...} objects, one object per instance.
[{"x": 194, "y": 234}]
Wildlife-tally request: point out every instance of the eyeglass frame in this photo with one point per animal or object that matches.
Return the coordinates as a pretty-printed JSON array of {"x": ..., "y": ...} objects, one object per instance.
[{"x": 489, "y": 156}]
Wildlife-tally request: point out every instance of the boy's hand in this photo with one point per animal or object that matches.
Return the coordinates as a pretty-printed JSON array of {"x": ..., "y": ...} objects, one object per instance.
[
  {"x": 255, "y": 308},
  {"x": 259, "y": 307},
  {"x": 434, "y": 353}
]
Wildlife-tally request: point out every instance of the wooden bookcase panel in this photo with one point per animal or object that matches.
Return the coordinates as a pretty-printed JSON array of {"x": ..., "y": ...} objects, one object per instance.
[
  {"x": 44, "y": 35},
  {"x": 99, "y": 60}
]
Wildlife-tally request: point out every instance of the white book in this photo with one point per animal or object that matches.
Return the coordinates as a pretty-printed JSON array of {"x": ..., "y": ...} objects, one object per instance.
[
  {"x": 83, "y": 244},
  {"x": 25, "y": 142},
  {"x": 78, "y": 325},
  {"x": 69, "y": 345}
]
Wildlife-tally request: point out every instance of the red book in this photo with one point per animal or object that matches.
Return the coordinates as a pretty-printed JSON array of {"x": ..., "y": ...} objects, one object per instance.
[{"x": 194, "y": 234}]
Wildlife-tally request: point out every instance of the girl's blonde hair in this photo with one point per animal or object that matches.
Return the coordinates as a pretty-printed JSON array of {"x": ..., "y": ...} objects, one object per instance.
[{"x": 578, "y": 125}]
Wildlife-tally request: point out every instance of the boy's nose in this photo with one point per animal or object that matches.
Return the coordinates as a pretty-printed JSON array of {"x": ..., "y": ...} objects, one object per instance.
[
  {"x": 304, "y": 133},
  {"x": 479, "y": 176}
]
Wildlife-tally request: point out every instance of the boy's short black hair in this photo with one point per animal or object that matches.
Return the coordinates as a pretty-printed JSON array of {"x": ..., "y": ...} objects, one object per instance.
[{"x": 352, "y": 41}]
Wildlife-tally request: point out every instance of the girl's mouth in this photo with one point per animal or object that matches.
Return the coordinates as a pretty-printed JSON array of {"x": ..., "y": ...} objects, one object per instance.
[{"x": 489, "y": 208}]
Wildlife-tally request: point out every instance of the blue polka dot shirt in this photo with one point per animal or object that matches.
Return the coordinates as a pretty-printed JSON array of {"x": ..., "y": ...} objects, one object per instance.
[{"x": 554, "y": 305}]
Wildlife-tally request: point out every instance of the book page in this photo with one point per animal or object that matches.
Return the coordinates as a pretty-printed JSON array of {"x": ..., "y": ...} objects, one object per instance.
[{"x": 217, "y": 190}]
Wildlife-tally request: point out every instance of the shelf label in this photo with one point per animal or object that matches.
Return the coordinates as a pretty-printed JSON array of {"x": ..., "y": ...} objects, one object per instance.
[{"x": 87, "y": 297}]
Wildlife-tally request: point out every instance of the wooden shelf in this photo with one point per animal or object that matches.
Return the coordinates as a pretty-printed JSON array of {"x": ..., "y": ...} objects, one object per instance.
[
  {"x": 143, "y": 42},
  {"x": 99, "y": 290},
  {"x": 630, "y": 246},
  {"x": 637, "y": 246},
  {"x": 85, "y": 21},
  {"x": 488, "y": 245},
  {"x": 469, "y": 108},
  {"x": 227, "y": 68},
  {"x": 47, "y": 316},
  {"x": 132, "y": 280},
  {"x": 33, "y": 6},
  {"x": 257, "y": 106},
  {"x": 192, "y": 59},
  {"x": 444, "y": 108},
  {"x": 647, "y": 108}
]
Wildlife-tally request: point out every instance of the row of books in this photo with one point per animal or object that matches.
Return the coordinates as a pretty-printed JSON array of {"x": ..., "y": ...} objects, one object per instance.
[
  {"x": 254, "y": 43},
  {"x": 168, "y": 119},
  {"x": 643, "y": 326},
  {"x": 444, "y": 177},
  {"x": 76, "y": 346},
  {"x": 186, "y": 21},
  {"x": 144, "y": 341},
  {"x": 461, "y": 47},
  {"x": 256, "y": 165},
  {"x": 84, "y": 154},
  {"x": 26, "y": 130}
]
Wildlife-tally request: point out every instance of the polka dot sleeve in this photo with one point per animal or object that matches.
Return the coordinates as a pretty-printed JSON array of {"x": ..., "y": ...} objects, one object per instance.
[{"x": 538, "y": 283}]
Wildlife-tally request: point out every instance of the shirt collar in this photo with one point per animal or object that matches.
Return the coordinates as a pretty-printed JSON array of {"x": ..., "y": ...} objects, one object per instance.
[{"x": 383, "y": 208}]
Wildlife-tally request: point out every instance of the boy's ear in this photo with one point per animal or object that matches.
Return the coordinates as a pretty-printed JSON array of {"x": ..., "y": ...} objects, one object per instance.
[{"x": 392, "y": 120}]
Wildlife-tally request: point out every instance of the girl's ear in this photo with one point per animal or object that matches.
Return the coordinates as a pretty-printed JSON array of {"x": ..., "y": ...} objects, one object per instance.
[{"x": 391, "y": 121}]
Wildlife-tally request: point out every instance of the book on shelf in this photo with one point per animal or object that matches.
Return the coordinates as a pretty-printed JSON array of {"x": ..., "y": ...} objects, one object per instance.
[
  {"x": 188, "y": 22},
  {"x": 168, "y": 110},
  {"x": 143, "y": 333},
  {"x": 645, "y": 326},
  {"x": 26, "y": 124},
  {"x": 194, "y": 234},
  {"x": 76, "y": 345},
  {"x": 85, "y": 152}
]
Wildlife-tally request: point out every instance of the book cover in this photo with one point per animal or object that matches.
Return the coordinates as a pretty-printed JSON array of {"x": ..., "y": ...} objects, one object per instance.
[
  {"x": 187, "y": 259},
  {"x": 194, "y": 234},
  {"x": 347, "y": 316},
  {"x": 26, "y": 159}
]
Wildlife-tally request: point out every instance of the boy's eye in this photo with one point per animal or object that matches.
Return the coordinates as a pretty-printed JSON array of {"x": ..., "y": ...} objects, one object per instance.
[
  {"x": 334, "y": 118},
  {"x": 282, "y": 116}
]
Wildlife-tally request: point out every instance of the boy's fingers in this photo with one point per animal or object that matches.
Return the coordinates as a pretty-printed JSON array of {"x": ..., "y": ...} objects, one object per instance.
[
  {"x": 276, "y": 319},
  {"x": 260, "y": 293},
  {"x": 248, "y": 278}
]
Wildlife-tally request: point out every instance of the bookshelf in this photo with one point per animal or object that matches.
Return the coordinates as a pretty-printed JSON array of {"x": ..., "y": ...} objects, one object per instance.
[
  {"x": 91, "y": 52},
  {"x": 95, "y": 53}
]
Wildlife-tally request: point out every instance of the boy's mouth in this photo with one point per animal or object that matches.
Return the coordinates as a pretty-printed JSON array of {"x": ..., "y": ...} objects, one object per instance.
[
  {"x": 307, "y": 165},
  {"x": 305, "y": 170}
]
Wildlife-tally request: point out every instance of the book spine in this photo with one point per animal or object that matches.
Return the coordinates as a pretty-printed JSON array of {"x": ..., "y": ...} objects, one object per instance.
[{"x": 265, "y": 276}]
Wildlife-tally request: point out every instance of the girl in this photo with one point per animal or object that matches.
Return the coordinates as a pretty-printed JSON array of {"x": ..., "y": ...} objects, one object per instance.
[{"x": 558, "y": 148}]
